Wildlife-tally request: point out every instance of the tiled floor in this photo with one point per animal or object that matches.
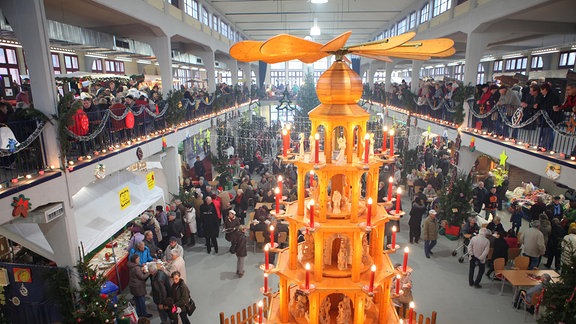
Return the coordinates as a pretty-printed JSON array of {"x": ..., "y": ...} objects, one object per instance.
[{"x": 440, "y": 284}]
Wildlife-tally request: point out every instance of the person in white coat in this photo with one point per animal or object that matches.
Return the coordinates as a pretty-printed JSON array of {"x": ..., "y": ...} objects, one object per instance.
[
  {"x": 478, "y": 250},
  {"x": 569, "y": 246}
]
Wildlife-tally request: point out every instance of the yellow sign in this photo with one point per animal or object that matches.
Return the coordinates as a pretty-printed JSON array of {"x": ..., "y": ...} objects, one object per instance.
[
  {"x": 150, "y": 181},
  {"x": 124, "y": 196}
]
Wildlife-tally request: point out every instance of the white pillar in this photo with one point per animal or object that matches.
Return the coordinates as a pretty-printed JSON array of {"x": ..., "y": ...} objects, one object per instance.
[
  {"x": 162, "y": 48},
  {"x": 371, "y": 72},
  {"x": 475, "y": 45},
  {"x": 389, "y": 70},
  {"x": 29, "y": 23},
  {"x": 208, "y": 59},
  {"x": 416, "y": 68}
]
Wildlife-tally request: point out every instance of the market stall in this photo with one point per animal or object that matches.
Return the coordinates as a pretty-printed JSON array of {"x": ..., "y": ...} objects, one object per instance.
[{"x": 102, "y": 209}]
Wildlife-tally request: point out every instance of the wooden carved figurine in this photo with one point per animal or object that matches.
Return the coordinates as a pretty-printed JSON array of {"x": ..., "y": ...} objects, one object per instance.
[
  {"x": 324, "y": 317},
  {"x": 342, "y": 256},
  {"x": 336, "y": 200},
  {"x": 342, "y": 147},
  {"x": 344, "y": 311},
  {"x": 366, "y": 258},
  {"x": 371, "y": 151},
  {"x": 308, "y": 248},
  {"x": 312, "y": 147}
]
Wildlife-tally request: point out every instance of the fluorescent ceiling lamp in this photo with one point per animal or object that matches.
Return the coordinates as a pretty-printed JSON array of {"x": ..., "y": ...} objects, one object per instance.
[
  {"x": 546, "y": 51},
  {"x": 315, "y": 30},
  {"x": 318, "y": 1},
  {"x": 514, "y": 55},
  {"x": 144, "y": 62},
  {"x": 123, "y": 59},
  {"x": 96, "y": 56},
  {"x": 487, "y": 59}
]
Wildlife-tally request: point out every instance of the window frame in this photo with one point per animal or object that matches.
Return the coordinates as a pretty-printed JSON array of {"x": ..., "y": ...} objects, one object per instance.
[
  {"x": 566, "y": 64},
  {"x": 425, "y": 13}
]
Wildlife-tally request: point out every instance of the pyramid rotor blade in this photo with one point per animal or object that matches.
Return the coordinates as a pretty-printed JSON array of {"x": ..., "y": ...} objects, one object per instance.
[
  {"x": 337, "y": 43},
  {"x": 429, "y": 46},
  {"x": 246, "y": 51},
  {"x": 288, "y": 45},
  {"x": 375, "y": 57},
  {"x": 446, "y": 53},
  {"x": 384, "y": 44},
  {"x": 311, "y": 58}
]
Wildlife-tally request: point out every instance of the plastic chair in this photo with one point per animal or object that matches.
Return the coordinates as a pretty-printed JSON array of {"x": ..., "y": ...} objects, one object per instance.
[
  {"x": 282, "y": 237},
  {"x": 535, "y": 302},
  {"x": 513, "y": 253},
  {"x": 521, "y": 262},
  {"x": 258, "y": 238}
]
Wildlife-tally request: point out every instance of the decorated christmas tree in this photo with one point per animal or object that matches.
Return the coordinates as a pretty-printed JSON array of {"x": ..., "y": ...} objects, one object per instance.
[
  {"x": 560, "y": 296},
  {"x": 92, "y": 307},
  {"x": 454, "y": 201},
  {"x": 307, "y": 97}
]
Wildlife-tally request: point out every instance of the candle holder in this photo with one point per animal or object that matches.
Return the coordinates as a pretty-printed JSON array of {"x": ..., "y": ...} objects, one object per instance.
[
  {"x": 393, "y": 248},
  {"x": 365, "y": 228},
  {"x": 366, "y": 290},
  {"x": 257, "y": 320},
  {"x": 265, "y": 292},
  {"x": 319, "y": 165},
  {"x": 403, "y": 273},
  {"x": 398, "y": 214},
  {"x": 395, "y": 295},
  {"x": 307, "y": 291},
  {"x": 312, "y": 229},
  {"x": 386, "y": 204},
  {"x": 271, "y": 268},
  {"x": 273, "y": 212}
]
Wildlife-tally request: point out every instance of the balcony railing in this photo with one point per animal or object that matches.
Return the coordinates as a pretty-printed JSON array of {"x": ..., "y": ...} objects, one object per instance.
[
  {"x": 92, "y": 132},
  {"x": 533, "y": 129}
]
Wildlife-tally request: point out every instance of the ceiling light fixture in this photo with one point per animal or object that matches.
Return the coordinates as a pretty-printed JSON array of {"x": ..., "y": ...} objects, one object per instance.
[
  {"x": 315, "y": 30},
  {"x": 318, "y": 1}
]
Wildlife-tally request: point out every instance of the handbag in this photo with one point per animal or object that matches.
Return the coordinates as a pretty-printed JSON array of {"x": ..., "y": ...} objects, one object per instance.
[
  {"x": 190, "y": 307},
  {"x": 130, "y": 313}
]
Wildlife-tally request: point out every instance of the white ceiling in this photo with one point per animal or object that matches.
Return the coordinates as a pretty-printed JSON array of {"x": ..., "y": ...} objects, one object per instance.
[{"x": 262, "y": 19}]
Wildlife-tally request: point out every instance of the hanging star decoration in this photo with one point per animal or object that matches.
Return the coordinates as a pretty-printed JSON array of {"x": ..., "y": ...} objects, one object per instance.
[
  {"x": 503, "y": 158},
  {"x": 21, "y": 206}
]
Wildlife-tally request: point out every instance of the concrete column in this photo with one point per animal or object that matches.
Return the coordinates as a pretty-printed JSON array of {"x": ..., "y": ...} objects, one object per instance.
[
  {"x": 416, "y": 67},
  {"x": 162, "y": 48},
  {"x": 232, "y": 65},
  {"x": 246, "y": 73},
  {"x": 88, "y": 61},
  {"x": 488, "y": 70},
  {"x": 475, "y": 45},
  {"x": 208, "y": 59},
  {"x": 389, "y": 69},
  {"x": 29, "y": 23},
  {"x": 371, "y": 71}
]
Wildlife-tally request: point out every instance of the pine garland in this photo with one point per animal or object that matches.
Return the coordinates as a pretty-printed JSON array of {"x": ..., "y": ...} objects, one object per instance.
[
  {"x": 454, "y": 204},
  {"x": 307, "y": 97},
  {"x": 560, "y": 297}
]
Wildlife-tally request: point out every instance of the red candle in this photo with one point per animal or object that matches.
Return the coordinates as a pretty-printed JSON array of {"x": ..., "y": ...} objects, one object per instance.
[
  {"x": 311, "y": 178},
  {"x": 280, "y": 179},
  {"x": 384, "y": 134},
  {"x": 391, "y": 142},
  {"x": 266, "y": 257},
  {"x": 372, "y": 274},
  {"x": 265, "y": 283},
  {"x": 393, "y": 237},
  {"x": 311, "y": 213},
  {"x": 366, "y": 148},
  {"x": 285, "y": 142},
  {"x": 405, "y": 264},
  {"x": 260, "y": 311},
  {"x": 277, "y": 192},
  {"x": 41, "y": 172},
  {"x": 369, "y": 213},
  {"x": 398, "y": 193},
  {"x": 316, "y": 148},
  {"x": 398, "y": 284},
  {"x": 307, "y": 284},
  {"x": 411, "y": 313},
  {"x": 272, "y": 236},
  {"x": 390, "y": 183}
]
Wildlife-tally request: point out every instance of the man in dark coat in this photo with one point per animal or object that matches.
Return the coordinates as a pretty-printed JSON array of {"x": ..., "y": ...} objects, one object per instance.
[
  {"x": 415, "y": 222},
  {"x": 160, "y": 289},
  {"x": 211, "y": 224},
  {"x": 175, "y": 226},
  {"x": 199, "y": 168},
  {"x": 479, "y": 196},
  {"x": 241, "y": 251}
]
